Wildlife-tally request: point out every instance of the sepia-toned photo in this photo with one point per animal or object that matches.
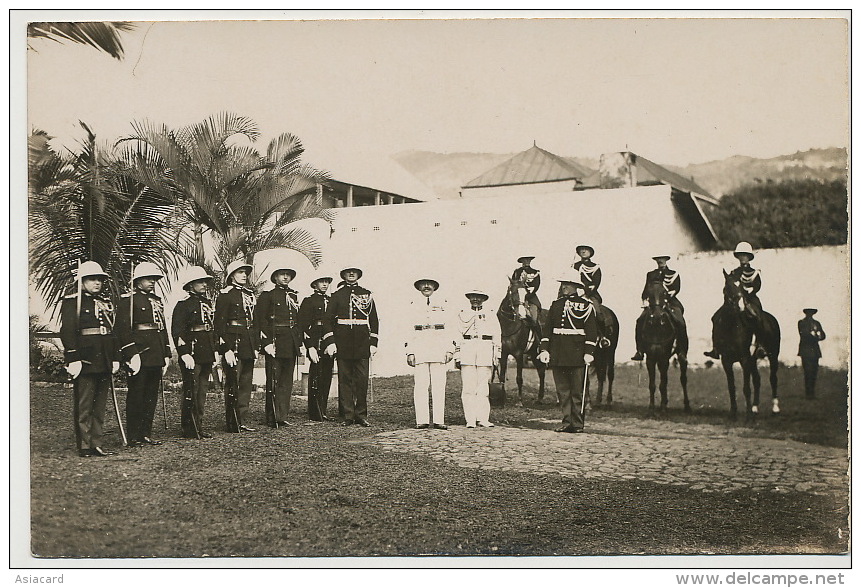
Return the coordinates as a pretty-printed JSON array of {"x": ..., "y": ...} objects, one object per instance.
[{"x": 429, "y": 289}]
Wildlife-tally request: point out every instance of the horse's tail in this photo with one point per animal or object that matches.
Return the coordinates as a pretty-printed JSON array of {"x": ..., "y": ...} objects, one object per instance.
[{"x": 770, "y": 334}]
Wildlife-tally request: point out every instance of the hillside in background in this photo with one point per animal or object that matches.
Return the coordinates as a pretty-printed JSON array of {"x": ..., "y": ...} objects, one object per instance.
[{"x": 445, "y": 173}]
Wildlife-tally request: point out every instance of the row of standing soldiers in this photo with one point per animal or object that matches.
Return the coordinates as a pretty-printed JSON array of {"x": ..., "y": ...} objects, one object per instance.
[{"x": 97, "y": 339}]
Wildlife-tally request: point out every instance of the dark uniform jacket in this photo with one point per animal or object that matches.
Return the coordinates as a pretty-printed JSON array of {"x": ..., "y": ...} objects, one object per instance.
[
  {"x": 570, "y": 332},
  {"x": 234, "y": 322},
  {"x": 311, "y": 313},
  {"x": 749, "y": 278},
  {"x": 96, "y": 345},
  {"x": 276, "y": 320},
  {"x": 193, "y": 327},
  {"x": 590, "y": 273},
  {"x": 811, "y": 333},
  {"x": 532, "y": 283},
  {"x": 143, "y": 332},
  {"x": 669, "y": 278},
  {"x": 351, "y": 322}
]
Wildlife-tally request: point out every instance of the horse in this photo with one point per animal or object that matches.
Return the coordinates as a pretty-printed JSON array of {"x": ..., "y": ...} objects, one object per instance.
[
  {"x": 733, "y": 337},
  {"x": 659, "y": 338},
  {"x": 518, "y": 339},
  {"x": 604, "y": 365}
]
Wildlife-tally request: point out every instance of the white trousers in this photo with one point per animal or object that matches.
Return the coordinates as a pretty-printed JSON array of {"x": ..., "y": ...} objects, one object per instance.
[
  {"x": 429, "y": 376},
  {"x": 476, "y": 394}
]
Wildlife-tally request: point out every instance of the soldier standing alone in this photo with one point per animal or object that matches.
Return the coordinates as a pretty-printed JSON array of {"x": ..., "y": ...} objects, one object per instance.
[
  {"x": 311, "y": 313},
  {"x": 276, "y": 324},
  {"x": 810, "y": 332},
  {"x": 351, "y": 326},
  {"x": 142, "y": 333},
  {"x": 192, "y": 329},
  {"x": 89, "y": 350}
]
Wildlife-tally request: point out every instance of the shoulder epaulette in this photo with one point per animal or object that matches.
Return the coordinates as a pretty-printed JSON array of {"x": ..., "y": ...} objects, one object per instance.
[
  {"x": 126, "y": 295},
  {"x": 226, "y": 290},
  {"x": 71, "y": 296}
]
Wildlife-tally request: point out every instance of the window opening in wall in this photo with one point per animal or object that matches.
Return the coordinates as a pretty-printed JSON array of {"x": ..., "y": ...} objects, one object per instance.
[
  {"x": 376, "y": 228},
  {"x": 462, "y": 223},
  {"x": 493, "y": 221},
  {"x": 436, "y": 224},
  {"x": 354, "y": 229}
]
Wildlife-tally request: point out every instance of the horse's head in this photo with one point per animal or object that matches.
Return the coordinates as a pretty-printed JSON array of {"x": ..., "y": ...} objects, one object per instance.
[
  {"x": 516, "y": 297},
  {"x": 656, "y": 296},
  {"x": 733, "y": 293}
]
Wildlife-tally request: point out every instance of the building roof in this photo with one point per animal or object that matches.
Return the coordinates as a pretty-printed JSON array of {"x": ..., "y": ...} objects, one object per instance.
[
  {"x": 381, "y": 174},
  {"x": 649, "y": 172},
  {"x": 535, "y": 165}
]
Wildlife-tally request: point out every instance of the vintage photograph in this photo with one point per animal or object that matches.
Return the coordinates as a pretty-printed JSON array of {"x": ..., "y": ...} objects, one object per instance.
[{"x": 493, "y": 289}]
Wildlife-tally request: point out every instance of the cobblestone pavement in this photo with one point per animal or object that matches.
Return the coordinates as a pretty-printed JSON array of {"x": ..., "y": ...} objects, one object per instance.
[{"x": 709, "y": 458}]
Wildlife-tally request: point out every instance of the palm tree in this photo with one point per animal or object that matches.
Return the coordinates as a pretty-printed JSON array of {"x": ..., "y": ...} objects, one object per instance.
[
  {"x": 82, "y": 207},
  {"x": 104, "y": 36},
  {"x": 237, "y": 201}
]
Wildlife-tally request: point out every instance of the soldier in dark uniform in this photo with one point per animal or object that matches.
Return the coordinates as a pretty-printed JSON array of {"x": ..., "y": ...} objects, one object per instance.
[
  {"x": 672, "y": 283},
  {"x": 237, "y": 343},
  {"x": 311, "y": 313},
  {"x": 810, "y": 332},
  {"x": 351, "y": 326},
  {"x": 568, "y": 347},
  {"x": 145, "y": 347},
  {"x": 89, "y": 350},
  {"x": 531, "y": 279},
  {"x": 192, "y": 328},
  {"x": 277, "y": 328},
  {"x": 751, "y": 282},
  {"x": 590, "y": 274}
]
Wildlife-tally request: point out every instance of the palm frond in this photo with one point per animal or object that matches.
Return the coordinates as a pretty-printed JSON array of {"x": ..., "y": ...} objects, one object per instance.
[{"x": 101, "y": 35}]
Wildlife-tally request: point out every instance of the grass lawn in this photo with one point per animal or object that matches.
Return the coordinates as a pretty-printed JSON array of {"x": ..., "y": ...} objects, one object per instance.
[{"x": 323, "y": 490}]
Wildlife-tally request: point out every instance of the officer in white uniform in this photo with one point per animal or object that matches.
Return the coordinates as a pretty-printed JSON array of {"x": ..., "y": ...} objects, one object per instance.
[
  {"x": 429, "y": 347},
  {"x": 476, "y": 354}
]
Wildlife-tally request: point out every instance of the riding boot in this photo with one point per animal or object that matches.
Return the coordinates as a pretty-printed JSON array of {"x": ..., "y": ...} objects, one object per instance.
[{"x": 638, "y": 338}]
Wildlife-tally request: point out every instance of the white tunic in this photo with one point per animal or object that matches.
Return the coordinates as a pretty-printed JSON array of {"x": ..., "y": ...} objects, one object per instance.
[
  {"x": 430, "y": 335},
  {"x": 479, "y": 336}
]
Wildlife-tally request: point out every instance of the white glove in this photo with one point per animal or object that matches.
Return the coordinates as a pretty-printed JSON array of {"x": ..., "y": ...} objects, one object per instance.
[
  {"x": 270, "y": 350},
  {"x": 313, "y": 355},
  {"x": 448, "y": 356},
  {"x": 135, "y": 363},
  {"x": 74, "y": 369},
  {"x": 115, "y": 366},
  {"x": 411, "y": 360},
  {"x": 187, "y": 361},
  {"x": 302, "y": 350},
  {"x": 230, "y": 358},
  {"x": 588, "y": 359},
  {"x": 645, "y": 304},
  {"x": 495, "y": 360},
  {"x": 544, "y": 357},
  {"x": 373, "y": 350},
  {"x": 166, "y": 365},
  {"x": 331, "y": 350}
]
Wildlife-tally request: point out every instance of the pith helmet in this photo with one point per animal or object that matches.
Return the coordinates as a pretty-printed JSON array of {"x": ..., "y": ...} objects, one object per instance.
[
  {"x": 434, "y": 283},
  {"x": 196, "y": 273},
  {"x": 662, "y": 256},
  {"x": 321, "y": 276},
  {"x": 810, "y": 311},
  {"x": 289, "y": 270},
  {"x": 145, "y": 269},
  {"x": 571, "y": 276},
  {"x": 235, "y": 265},
  {"x": 351, "y": 267},
  {"x": 589, "y": 247},
  {"x": 743, "y": 247},
  {"x": 525, "y": 258},
  {"x": 476, "y": 292},
  {"x": 91, "y": 268}
]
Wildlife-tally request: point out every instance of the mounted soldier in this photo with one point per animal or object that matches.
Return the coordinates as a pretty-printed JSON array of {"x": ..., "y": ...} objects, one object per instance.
[
  {"x": 142, "y": 333},
  {"x": 531, "y": 280},
  {"x": 87, "y": 321},
  {"x": 276, "y": 325},
  {"x": 192, "y": 328},
  {"x": 751, "y": 282},
  {"x": 672, "y": 283},
  {"x": 237, "y": 342},
  {"x": 311, "y": 313},
  {"x": 590, "y": 275}
]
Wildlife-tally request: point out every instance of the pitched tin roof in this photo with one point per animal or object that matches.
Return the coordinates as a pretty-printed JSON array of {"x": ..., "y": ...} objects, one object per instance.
[{"x": 529, "y": 167}]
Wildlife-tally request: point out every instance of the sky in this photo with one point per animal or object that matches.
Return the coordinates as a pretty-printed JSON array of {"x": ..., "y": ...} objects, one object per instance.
[{"x": 677, "y": 91}]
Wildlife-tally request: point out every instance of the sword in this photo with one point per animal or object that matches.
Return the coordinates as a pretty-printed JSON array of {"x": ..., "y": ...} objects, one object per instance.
[
  {"x": 163, "y": 403},
  {"x": 117, "y": 412},
  {"x": 583, "y": 398}
]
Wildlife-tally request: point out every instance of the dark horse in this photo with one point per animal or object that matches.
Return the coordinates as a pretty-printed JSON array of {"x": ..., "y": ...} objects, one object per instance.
[
  {"x": 605, "y": 358},
  {"x": 518, "y": 339},
  {"x": 659, "y": 338},
  {"x": 733, "y": 337}
]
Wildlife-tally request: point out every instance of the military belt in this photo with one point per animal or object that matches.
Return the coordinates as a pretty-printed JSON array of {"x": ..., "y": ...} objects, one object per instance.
[
  {"x": 198, "y": 328},
  {"x": 96, "y": 331},
  {"x": 284, "y": 324},
  {"x": 559, "y": 331},
  {"x": 146, "y": 327},
  {"x": 482, "y": 337},
  {"x": 239, "y": 324},
  {"x": 428, "y": 327},
  {"x": 344, "y": 321}
]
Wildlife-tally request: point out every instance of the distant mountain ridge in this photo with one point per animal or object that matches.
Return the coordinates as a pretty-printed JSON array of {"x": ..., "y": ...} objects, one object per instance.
[{"x": 445, "y": 173}]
